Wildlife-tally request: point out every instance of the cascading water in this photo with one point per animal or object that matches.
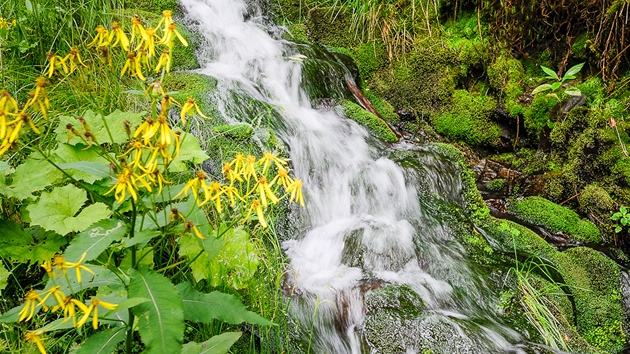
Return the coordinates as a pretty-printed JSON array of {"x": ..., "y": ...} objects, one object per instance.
[{"x": 366, "y": 223}]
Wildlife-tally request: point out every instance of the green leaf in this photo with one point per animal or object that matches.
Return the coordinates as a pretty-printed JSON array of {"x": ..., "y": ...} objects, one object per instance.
[
  {"x": 103, "y": 342},
  {"x": 127, "y": 304},
  {"x": 144, "y": 257},
  {"x": 47, "y": 246},
  {"x": 204, "y": 308},
  {"x": 15, "y": 242},
  {"x": 623, "y": 210},
  {"x": 115, "y": 123},
  {"x": 551, "y": 74},
  {"x": 219, "y": 344},
  {"x": 615, "y": 216},
  {"x": 4, "y": 277},
  {"x": 28, "y": 5},
  {"x": 555, "y": 86},
  {"x": 142, "y": 238},
  {"x": 190, "y": 246},
  {"x": 60, "y": 323},
  {"x": 190, "y": 152},
  {"x": 573, "y": 70},
  {"x": 56, "y": 210},
  {"x": 86, "y": 165},
  {"x": 573, "y": 91},
  {"x": 95, "y": 239},
  {"x": 31, "y": 176},
  {"x": 541, "y": 88},
  {"x": 161, "y": 320},
  {"x": 70, "y": 285},
  {"x": 618, "y": 229},
  {"x": 237, "y": 261},
  {"x": 13, "y": 315}
]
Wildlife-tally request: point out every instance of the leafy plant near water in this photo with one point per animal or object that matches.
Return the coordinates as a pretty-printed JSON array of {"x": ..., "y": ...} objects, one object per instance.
[
  {"x": 623, "y": 216},
  {"x": 104, "y": 185},
  {"x": 553, "y": 87}
]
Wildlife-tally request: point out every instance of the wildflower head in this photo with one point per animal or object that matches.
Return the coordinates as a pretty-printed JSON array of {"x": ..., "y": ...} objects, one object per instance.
[
  {"x": 40, "y": 82},
  {"x": 135, "y": 20}
]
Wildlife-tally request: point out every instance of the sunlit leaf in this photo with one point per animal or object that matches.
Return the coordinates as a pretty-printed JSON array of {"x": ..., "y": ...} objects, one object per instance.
[
  {"x": 85, "y": 165},
  {"x": 573, "y": 70},
  {"x": 57, "y": 210},
  {"x": 190, "y": 151},
  {"x": 113, "y": 132},
  {"x": 237, "y": 261},
  {"x": 103, "y": 342},
  {"x": 573, "y": 91},
  {"x": 31, "y": 176},
  {"x": 541, "y": 88},
  {"x": 4, "y": 277},
  {"x": 551, "y": 74},
  {"x": 204, "y": 308},
  {"x": 160, "y": 320},
  {"x": 95, "y": 239},
  {"x": 219, "y": 344}
]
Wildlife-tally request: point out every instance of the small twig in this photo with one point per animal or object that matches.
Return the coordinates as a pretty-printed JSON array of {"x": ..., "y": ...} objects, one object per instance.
[{"x": 570, "y": 198}]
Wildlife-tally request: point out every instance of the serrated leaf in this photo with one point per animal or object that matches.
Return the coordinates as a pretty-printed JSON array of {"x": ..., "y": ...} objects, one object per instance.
[
  {"x": 115, "y": 126},
  {"x": 95, "y": 239},
  {"x": 190, "y": 152},
  {"x": 573, "y": 70},
  {"x": 47, "y": 246},
  {"x": 204, "y": 308},
  {"x": 237, "y": 261},
  {"x": 219, "y": 344},
  {"x": 31, "y": 176},
  {"x": 15, "y": 242},
  {"x": 552, "y": 74},
  {"x": 103, "y": 342},
  {"x": 161, "y": 320},
  {"x": 86, "y": 165},
  {"x": 190, "y": 246},
  {"x": 541, "y": 88},
  {"x": 56, "y": 210}
]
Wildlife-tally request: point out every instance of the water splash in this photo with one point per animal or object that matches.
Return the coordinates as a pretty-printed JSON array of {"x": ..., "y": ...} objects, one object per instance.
[{"x": 365, "y": 223}]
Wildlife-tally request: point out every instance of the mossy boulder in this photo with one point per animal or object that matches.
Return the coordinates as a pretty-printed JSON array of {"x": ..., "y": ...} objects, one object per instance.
[
  {"x": 469, "y": 119},
  {"x": 332, "y": 27},
  {"x": 376, "y": 125},
  {"x": 555, "y": 218},
  {"x": 155, "y": 6},
  {"x": 192, "y": 85},
  {"x": 505, "y": 76},
  {"x": 595, "y": 199},
  {"x": 184, "y": 56},
  {"x": 239, "y": 132},
  {"x": 384, "y": 108}
]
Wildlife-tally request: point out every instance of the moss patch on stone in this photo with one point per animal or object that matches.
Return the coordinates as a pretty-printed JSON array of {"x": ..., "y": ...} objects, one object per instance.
[
  {"x": 544, "y": 213},
  {"x": 331, "y": 27},
  {"x": 297, "y": 32},
  {"x": 505, "y": 76},
  {"x": 240, "y": 132},
  {"x": 383, "y": 107},
  {"x": 468, "y": 119},
  {"x": 370, "y": 121},
  {"x": 184, "y": 57}
]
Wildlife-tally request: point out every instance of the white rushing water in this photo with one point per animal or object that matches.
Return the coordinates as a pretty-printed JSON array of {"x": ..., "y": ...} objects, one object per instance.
[{"x": 350, "y": 190}]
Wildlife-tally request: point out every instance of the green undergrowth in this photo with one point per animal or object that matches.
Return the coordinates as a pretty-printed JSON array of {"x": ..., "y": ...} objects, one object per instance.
[
  {"x": 542, "y": 212},
  {"x": 376, "y": 125}
]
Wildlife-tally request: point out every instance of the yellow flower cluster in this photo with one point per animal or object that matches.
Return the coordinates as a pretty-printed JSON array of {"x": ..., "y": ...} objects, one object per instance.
[
  {"x": 250, "y": 180},
  {"x": 13, "y": 119},
  {"x": 4, "y": 23},
  {"x": 65, "y": 304}
]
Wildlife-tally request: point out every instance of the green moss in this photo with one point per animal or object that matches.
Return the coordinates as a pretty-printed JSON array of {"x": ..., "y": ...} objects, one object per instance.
[
  {"x": 536, "y": 116},
  {"x": 370, "y": 57},
  {"x": 594, "y": 199},
  {"x": 331, "y": 27},
  {"x": 468, "y": 119},
  {"x": 184, "y": 57},
  {"x": 383, "y": 107},
  {"x": 372, "y": 122},
  {"x": 297, "y": 32},
  {"x": 594, "y": 91},
  {"x": 505, "y": 75},
  {"x": 475, "y": 204},
  {"x": 155, "y": 6},
  {"x": 496, "y": 184},
  {"x": 542, "y": 212},
  {"x": 197, "y": 86},
  {"x": 239, "y": 132}
]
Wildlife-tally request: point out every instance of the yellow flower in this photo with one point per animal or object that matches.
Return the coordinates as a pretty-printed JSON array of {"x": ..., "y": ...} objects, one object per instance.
[
  {"x": 124, "y": 184},
  {"x": 166, "y": 133},
  {"x": 238, "y": 163},
  {"x": 55, "y": 63},
  {"x": 35, "y": 337},
  {"x": 249, "y": 168},
  {"x": 264, "y": 191},
  {"x": 40, "y": 103},
  {"x": 133, "y": 66},
  {"x": 74, "y": 58},
  {"x": 148, "y": 41},
  {"x": 59, "y": 263},
  {"x": 93, "y": 309},
  {"x": 170, "y": 34},
  {"x": 69, "y": 308},
  {"x": 13, "y": 132},
  {"x": 213, "y": 192},
  {"x": 40, "y": 91},
  {"x": 137, "y": 29},
  {"x": 8, "y": 104},
  {"x": 164, "y": 61},
  {"x": 156, "y": 176},
  {"x": 259, "y": 212},
  {"x": 78, "y": 266},
  {"x": 120, "y": 35},
  {"x": 268, "y": 158},
  {"x": 188, "y": 108},
  {"x": 282, "y": 178},
  {"x": 56, "y": 292},
  {"x": 296, "y": 191},
  {"x": 232, "y": 193},
  {"x": 230, "y": 173},
  {"x": 101, "y": 39},
  {"x": 32, "y": 300},
  {"x": 167, "y": 19},
  {"x": 156, "y": 89},
  {"x": 191, "y": 226},
  {"x": 194, "y": 185},
  {"x": 48, "y": 267}
]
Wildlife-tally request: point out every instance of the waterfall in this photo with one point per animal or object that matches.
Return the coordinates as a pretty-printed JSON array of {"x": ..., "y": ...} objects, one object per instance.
[{"x": 365, "y": 223}]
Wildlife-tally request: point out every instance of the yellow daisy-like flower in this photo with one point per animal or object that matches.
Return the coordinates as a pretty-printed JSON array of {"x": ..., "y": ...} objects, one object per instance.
[
  {"x": 268, "y": 158},
  {"x": 166, "y": 20},
  {"x": 55, "y": 292},
  {"x": 256, "y": 206},
  {"x": 249, "y": 168},
  {"x": 188, "y": 108},
  {"x": 8, "y": 104},
  {"x": 148, "y": 39},
  {"x": 36, "y": 337},
  {"x": 164, "y": 61},
  {"x": 32, "y": 301},
  {"x": 93, "y": 309},
  {"x": 78, "y": 266},
  {"x": 230, "y": 173},
  {"x": 170, "y": 34},
  {"x": 55, "y": 63},
  {"x": 194, "y": 185},
  {"x": 101, "y": 39},
  {"x": 189, "y": 225},
  {"x": 136, "y": 28},
  {"x": 120, "y": 35},
  {"x": 124, "y": 184},
  {"x": 132, "y": 65},
  {"x": 238, "y": 163},
  {"x": 265, "y": 192},
  {"x": 74, "y": 59},
  {"x": 282, "y": 178},
  {"x": 296, "y": 191}
]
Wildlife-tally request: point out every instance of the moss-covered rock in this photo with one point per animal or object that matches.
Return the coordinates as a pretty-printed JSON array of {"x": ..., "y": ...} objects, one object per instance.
[
  {"x": 184, "y": 57},
  {"x": 468, "y": 119},
  {"x": 596, "y": 200},
  {"x": 383, "y": 107},
  {"x": 240, "y": 132},
  {"x": 536, "y": 116},
  {"x": 549, "y": 215},
  {"x": 188, "y": 84},
  {"x": 297, "y": 32},
  {"x": 505, "y": 76},
  {"x": 155, "y": 6},
  {"x": 331, "y": 27},
  {"x": 376, "y": 125}
]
